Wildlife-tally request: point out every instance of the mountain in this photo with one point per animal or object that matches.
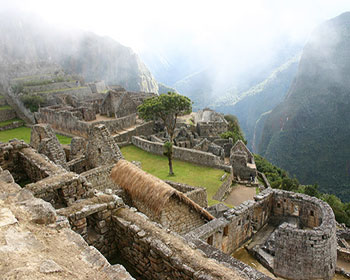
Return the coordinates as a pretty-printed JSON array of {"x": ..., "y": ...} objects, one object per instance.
[
  {"x": 252, "y": 106},
  {"x": 308, "y": 133},
  {"x": 26, "y": 39}
]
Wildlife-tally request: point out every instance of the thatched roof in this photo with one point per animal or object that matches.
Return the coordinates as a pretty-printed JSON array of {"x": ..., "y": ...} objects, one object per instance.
[{"x": 153, "y": 192}]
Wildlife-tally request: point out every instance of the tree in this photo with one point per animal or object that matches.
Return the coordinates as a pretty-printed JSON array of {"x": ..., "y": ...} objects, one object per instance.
[
  {"x": 234, "y": 130},
  {"x": 167, "y": 107}
]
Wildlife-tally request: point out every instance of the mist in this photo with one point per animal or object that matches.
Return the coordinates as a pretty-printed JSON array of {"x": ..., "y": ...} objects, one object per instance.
[{"x": 234, "y": 44}]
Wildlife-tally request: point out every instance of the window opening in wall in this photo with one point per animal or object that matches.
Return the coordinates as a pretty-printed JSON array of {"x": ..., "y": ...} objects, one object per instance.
[
  {"x": 312, "y": 213},
  {"x": 296, "y": 210},
  {"x": 226, "y": 231},
  {"x": 278, "y": 205},
  {"x": 239, "y": 222},
  {"x": 210, "y": 240}
]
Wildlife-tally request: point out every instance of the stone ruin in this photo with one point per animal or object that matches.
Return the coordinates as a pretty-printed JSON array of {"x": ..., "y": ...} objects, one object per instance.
[
  {"x": 210, "y": 123},
  {"x": 119, "y": 103},
  {"x": 243, "y": 164},
  {"x": 117, "y": 110},
  {"x": 287, "y": 230}
]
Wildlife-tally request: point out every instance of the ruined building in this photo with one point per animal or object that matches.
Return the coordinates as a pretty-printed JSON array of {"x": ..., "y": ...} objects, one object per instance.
[{"x": 161, "y": 230}]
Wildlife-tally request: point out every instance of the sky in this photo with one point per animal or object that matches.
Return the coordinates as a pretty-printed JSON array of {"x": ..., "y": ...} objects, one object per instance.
[
  {"x": 140, "y": 24},
  {"x": 230, "y": 37}
]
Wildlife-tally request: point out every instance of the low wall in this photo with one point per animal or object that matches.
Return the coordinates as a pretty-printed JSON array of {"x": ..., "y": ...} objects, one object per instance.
[
  {"x": 91, "y": 218},
  {"x": 164, "y": 255},
  {"x": 224, "y": 188},
  {"x": 99, "y": 177},
  {"x": 50, "y": 87},
  {"x": 184, "y": 154},
  {"x": 230, "y": 232},
  {"x": 13, "y": 125},
  {"x": 115, "y": 125},
  {"x": 37, "y": 166},
  {"x": 343, "y": 254},
  {"x": 197, "y": 194},
  {"x": 7, "y": 114},
  {"x": 64, "y": 121},
  {"x": 143, "y": 129},
  {"x": 295, "y": 245},
  {"x": 67, "y": 122},
  {"x": 60, "y": 190}
]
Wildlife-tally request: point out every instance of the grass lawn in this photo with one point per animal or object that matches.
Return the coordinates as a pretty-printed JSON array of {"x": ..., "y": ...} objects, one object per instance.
[
  {"x": 4, "y": 123},
  {"x": 23, "y": 133},
  {"x": 188, "y": 173},
  {"x": 5, "y": 107}
]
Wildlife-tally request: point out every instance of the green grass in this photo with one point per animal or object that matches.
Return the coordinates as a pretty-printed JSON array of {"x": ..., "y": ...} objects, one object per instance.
[
  {"x": 59, "y": 90},
  {"x": 188, "y": 173},
  {"x": 4, "y": 123},
  {"x": 64, "y": 140},
  {"x": 5, "y": 107},
  {"x": 23, "y": 133}
]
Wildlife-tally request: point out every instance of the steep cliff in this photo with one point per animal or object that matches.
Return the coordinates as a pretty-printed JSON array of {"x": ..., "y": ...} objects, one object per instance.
[
  {"x": 308, "y": 133},
  {"x": 24, "y": 39}
]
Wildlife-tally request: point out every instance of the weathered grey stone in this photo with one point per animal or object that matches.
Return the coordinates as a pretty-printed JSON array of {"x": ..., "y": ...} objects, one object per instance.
[
  {"x": 49, "y": 266},
  {"x": 41, "y": 211}
]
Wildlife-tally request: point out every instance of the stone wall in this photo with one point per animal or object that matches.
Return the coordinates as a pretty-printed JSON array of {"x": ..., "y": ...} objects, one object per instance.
[
  {"x": 7, "y": 114},
  {"x": 64, "y": 121},
  {"x": 41, "y": 176},
  {"x": 184, "y": 154},
  {"x": 231, "y": 231},
  {"x": 296, "y": 245},
  {"x": 92, "y": 219},
  {"x": 44, "y": 140},
  {"x": 343, "y": 254},
  {"x": 196, "y": 194},
  {"x": 142, "y": 129},
  {"x": 50, "y": 87},
  {"x": 67, "y": 121},
  {"x": 224, "y": 188},
  {"x": 101, "y": 148},
  {"x": 60, "y": 190},
  {"x": 309, "y": 253},
  {"x": 13, "y": 125},
  {"x": 36, "y": 166},
  {"x": 175, "y": 215},
  {"x": 116, "y": 125},
  {"x": 164, "y": 255},
  {"x": 99, "y": 177},
  {"x": 210, "y": 129},
  {"x": 179, "y": 217}
]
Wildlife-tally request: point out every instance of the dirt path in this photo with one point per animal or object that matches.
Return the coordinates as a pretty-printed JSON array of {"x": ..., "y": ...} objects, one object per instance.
[{"x": 240, "y": 194}]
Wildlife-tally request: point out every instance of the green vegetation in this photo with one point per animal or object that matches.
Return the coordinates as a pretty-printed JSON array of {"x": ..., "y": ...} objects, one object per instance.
[
  {"x": 308, "y": 133},
  {"x": 167, "y": 107},
  {"x": 279, "y": 179},
  {"x": 234, "y": 130},
  {"x": 4, "y": 123},
  {"x": 59, "y": 90},
  {"x": 5, "y": 107},
  {"x": 59, "y": 79},
  {"x": 64, "y": 140},
  {"x": 187, "y": 173},
  {"x": 23, "y": 133},
  {"x": 33, "y": 101}
]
